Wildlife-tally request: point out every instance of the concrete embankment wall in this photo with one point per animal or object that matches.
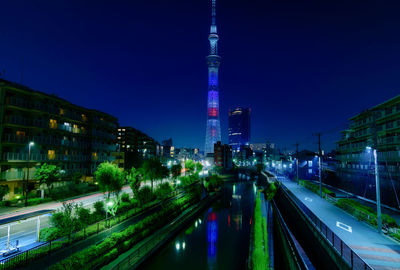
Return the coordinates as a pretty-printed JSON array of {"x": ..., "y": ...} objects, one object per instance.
[
  {"x": 143, "y": 250},
  {"x": 318, "y": 250}
]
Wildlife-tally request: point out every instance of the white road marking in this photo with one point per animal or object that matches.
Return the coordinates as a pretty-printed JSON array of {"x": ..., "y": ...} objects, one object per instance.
[
  {"x": 344, "y": 226},
  {"x": 308, "y": 199}
]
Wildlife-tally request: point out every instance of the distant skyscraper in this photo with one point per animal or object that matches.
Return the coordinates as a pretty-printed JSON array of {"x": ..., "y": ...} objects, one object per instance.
[
  {"x": 213, "y": 130},
  {"x": 239, "y": 127}
]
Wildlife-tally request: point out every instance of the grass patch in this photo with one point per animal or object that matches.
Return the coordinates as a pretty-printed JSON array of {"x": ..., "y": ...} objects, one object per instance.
[
  {"x": 364, "y": 213},
  {"x": 260, "y": 257},
  {"x": 315, "y": 188}
]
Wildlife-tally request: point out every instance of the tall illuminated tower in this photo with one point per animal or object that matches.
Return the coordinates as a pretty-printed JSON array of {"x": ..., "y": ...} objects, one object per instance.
[{"x": 213, "y": 130}]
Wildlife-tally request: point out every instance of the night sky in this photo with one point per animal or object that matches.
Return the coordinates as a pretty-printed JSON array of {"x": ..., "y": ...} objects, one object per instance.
[{"x": 302, "y": 66}]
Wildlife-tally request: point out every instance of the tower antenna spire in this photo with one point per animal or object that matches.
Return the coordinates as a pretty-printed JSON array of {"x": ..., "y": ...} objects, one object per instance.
[{"x": 213, "y": 12}]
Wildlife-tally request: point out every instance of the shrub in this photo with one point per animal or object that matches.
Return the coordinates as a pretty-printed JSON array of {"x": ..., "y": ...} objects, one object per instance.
[
  {"x": 99, "y": 208},
  {"x": 49, "y": 234},
  {"x": 145, "y": 195},
  {"x": 163, "y": 190},
  {"x": 117, "y": 243},
  {"x": 270, "y": 191},
  {"x": 125, "y": 197},
  {"x": 364, "y": 213}
]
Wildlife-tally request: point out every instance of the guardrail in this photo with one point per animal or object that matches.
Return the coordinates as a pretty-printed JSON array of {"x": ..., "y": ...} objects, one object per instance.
[{"x": 342, "y": 248}]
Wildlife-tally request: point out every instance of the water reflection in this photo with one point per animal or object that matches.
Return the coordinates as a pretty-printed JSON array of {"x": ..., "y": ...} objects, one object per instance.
[
  {"x": 212, "y": 237},
  {"x": 217, "y": 239}
]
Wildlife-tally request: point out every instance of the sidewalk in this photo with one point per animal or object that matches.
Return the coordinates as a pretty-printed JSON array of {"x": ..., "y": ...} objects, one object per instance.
[{"x": 379, "y": 251}]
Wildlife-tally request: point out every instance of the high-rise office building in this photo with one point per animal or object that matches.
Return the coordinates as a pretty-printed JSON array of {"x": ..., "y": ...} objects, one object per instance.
[
  {"x": 213, "y": 130},
  {"x": 239, "y": 128}
]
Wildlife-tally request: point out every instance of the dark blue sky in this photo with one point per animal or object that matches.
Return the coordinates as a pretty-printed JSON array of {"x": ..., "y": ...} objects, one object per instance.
[{"x": 302, "y": 66}]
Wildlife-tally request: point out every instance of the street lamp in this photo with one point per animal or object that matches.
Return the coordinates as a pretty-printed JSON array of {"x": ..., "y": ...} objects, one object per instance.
[
  {"x": 27, "y": 175},
  {"x": 378, "y": 192},
  {"x": 108, "y": 204}
]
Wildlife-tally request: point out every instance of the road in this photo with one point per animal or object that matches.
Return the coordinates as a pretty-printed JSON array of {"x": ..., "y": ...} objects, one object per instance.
[
  {"x": 378, "y": 250},
  {"x": 23, "y": 227}
]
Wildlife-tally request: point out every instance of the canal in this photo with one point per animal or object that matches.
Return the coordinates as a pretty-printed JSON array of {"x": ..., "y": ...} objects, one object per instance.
[{"x": 217, "y": 239}]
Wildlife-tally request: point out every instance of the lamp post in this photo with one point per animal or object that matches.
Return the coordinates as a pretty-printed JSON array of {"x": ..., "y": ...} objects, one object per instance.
[
  {"x": 108, "y": 204},
  {"x": 378, "y": 192},
  {"x": 27, "y": 175}
]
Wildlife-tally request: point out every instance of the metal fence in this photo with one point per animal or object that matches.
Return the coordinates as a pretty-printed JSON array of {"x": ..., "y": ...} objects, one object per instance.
[
  {"x": 344, "y": 250},
  {"x": 157, "y": 239},
  {"x": 19, "y": 259}
]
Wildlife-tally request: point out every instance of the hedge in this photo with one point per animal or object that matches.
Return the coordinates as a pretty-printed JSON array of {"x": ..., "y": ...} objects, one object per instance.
[{"x": 116, "y": 244}]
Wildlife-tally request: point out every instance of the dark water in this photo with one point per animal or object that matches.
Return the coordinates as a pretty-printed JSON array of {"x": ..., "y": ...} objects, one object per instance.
[{"x": 217, "y": 239}]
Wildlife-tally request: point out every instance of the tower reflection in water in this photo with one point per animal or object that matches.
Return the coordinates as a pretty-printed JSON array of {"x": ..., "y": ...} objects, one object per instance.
[{"x": 212, "y": 237}]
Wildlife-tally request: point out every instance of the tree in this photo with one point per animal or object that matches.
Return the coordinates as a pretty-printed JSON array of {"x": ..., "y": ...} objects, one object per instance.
[
  {"x": 76, "y": 177},
  {"x": 110, "y": 178},
  {"x": 4, "y": 189},
  {"x": 64, "y": 219},
  {"x": 176, "y": 170},
  {"x": 213, "y": 182},
  {"x": 189, "y": 166},
  {"x": 164, "y": 172},
  {"x": 84, "y": 217},
  {"x": 135, "y": 178},
  {"x": 151, "y": 170},
  {"x": 198, "y": 166},
  {"x": 48, "y": 174},
  {"x": 145, "y": 195}
]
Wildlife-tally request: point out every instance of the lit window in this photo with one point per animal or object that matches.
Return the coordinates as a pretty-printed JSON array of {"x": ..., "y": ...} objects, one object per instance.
[
  {"x": 53, "y": 123},
  {"x": 123, "y": 129},
  {"x": 62, "y": 111},
  {"x": 84, "y": 117},
  {"x": 20, "y": 133},
  {"x": 51, "y": 154},
  {"x": 95, "y": 156}
]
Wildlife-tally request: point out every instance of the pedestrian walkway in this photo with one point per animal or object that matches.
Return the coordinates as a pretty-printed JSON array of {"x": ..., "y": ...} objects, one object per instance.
[{"x": 379, "y": 251}]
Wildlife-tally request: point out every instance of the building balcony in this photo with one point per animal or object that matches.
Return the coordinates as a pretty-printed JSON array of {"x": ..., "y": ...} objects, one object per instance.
[
  {"x": 10, "y": 176},
  {"x": 23, "y": 157},
  {"x": 42, "y": 140}
]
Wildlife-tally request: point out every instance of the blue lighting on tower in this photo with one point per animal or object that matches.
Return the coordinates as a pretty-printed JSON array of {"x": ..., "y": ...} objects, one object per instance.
[{"x": 213, "y": 130}]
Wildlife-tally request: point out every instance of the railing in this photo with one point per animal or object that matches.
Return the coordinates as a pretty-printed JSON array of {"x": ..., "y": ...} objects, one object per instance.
[
  {"x": 4, "y": 176},
  {"x": 158, "y": 238},
  {"x": 16, "y": 260},
  {"x": 344, "y": 250},
  {"x": 41, "y": 157}
]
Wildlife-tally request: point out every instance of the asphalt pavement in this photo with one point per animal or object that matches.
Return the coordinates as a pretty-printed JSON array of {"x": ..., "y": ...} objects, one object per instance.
[{"x": 378, "y": 250}]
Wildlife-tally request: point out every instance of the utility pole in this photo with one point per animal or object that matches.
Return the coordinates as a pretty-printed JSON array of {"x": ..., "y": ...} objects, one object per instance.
[
  {"x": 297, "y": 161},
  {"x": 319, "y": 163},
  {"x": 377, "y": 182}
]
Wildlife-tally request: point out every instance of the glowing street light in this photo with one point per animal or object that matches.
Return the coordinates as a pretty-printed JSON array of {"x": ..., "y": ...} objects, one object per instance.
[
  {"x": 108, "y": 205},
  {"x": 377, "y": 184},
  {"x": 27, "y": 175}
]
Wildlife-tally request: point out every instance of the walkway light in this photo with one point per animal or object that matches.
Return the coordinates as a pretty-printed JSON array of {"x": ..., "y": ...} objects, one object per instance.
[{"x": 27, "y": 175}]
